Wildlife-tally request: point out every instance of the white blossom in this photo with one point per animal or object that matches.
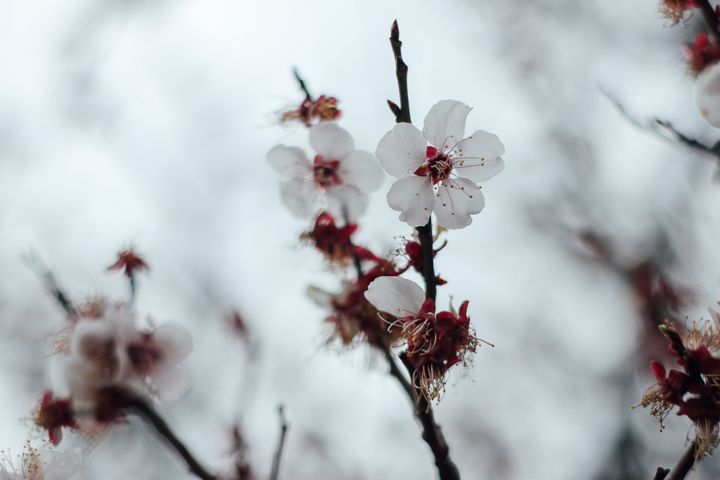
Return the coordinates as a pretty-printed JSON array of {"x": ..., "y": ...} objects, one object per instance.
[
  {"x": 35, "y": 464},
  {"x": 338, "y": 179},
  {"x": 397, "y": 296},
  {"x": 437, "y": 169}
]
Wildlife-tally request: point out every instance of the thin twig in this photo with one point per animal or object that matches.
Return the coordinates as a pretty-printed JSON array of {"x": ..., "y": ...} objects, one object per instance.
[
  {"x": 142, "y": 408},
  {"x": 281, "y": 443},
  {"x": 48, "y": 277},
  {"x": 665, "y": 130},
  {"x": 302, "y": 84},
  {"x": 685, "y": 463},
  {"x": 431, "y": 432},
  {"x": 661, "y": 473}
]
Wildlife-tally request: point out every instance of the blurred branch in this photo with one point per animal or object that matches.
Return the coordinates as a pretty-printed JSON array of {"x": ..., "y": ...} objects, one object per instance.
[
  {"x": 281, "y": 443},
  {"x": 710, "y": 17},
  {"x": 665, "y": 130},
  {"x": 32, "y": 259},
  {"x": 301, "y": 83},
  {"x": 684, "y": 465},
  {"x": 661, "y": 473},
  {"x": 148, "y": 413}
]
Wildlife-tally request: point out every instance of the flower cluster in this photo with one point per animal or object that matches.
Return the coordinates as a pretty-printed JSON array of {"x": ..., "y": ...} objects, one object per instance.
[
  {"x": 104, "y": 357},
  {"x": 323, "y": 109},
  {"x": 695, "y": 387},
  {"x": 335, "y": 243},
  {"x": 435, "y": 340}
]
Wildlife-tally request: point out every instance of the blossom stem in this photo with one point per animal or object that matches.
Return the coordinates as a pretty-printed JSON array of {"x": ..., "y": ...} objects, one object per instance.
[
  {"x": 281, "y": 443},
  {"x": 144, "y": 410},
  {"x": 303, "y": 86},
  {"x": 685, "y": 463},
  {"x": 710, "y": 17},
  {"x": 431, "y": 431}
]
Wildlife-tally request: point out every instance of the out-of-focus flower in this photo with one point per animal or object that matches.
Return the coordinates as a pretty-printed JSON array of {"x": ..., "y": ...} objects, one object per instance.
[
  {"x": 701, "y": 54},
  {"x": 323, "y": 109},
  {"x": 35, "y": 464},
  {"x": 435, "y": 341},
  {"x": 53, "y": 414},
  {"x": 129, "y": 262},
  {"x": 707, "y": 94},
  {"x": 674, "y": 10},
  {"x": 694, "y": 390},
  {"x": 351, "y": 315},
  {"x": 338, "y": 179},
  {"x": 437, "y": 169},
  {"x": 336, "y": 242}
]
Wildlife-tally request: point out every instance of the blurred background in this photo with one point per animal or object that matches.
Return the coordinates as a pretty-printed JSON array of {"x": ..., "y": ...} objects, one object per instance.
[{"x": 146, "y": 123}]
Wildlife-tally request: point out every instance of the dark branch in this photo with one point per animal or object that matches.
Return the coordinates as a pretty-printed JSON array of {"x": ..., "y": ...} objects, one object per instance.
[
  {"x": 281, "y": 443},
  {"x": 143, "y": 409},
  {"x": 661, "y": 473},
  {"x": 431, "y": 432},
  {"x": 301, "y": 83},
  {"x": 35, "y": 263},
  {"x": 666, "y": 131},
  {"x": 710, "y": 17},
  {"x": 685, "y": 463}
]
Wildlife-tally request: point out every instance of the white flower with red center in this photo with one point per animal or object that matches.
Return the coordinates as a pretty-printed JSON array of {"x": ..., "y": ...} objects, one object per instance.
[
  {"x": 438, "y": 168},
  {"x": 338, "y": 179}
]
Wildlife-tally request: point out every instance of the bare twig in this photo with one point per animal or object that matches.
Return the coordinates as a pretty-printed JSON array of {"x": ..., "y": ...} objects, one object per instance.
[
  {"x": 143, "y": 409},
  {"x": 36, "y": 264},
  {"x": 665, "y": 130},
  {"x": 401, "y": 71},
  {"x": 281, "y": 443},
  {"x": 301, "y": 83},
  {"x": 661, "y": 473},
  {"x": 710, "y": 17}
]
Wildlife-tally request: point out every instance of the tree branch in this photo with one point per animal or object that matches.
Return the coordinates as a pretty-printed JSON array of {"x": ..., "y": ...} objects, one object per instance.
[
  {"x": 431, "y": 431},
  {"x": 301, "y": 83},
  {"x": 710, "y": 17},
  {"x": 144, "y": 410},
  {"x": 281, "y": 443},
  {"x": 685, "y": 463}
]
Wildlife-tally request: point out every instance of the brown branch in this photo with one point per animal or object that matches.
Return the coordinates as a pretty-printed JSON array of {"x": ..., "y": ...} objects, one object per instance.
[
  {"x": 431, "y": 431},
  {"x": 281, "y": 443},
  {"x": 661, "y": 473},
  {"x": 144, "y": 410},
  {"x": 48, "y": 277},
  {"x": 685, "y": 463}
]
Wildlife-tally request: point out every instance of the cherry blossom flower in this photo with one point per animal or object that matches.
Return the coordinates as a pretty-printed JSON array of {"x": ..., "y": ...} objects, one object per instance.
[
  {"x": 707, "y": 94},
  {"x": 336, "y": 242},
  {"x": 437, "y": 169},
  {"x": 338, "y": 179},
  {"x": 35, "y": 464},
  {"x": 674, "y": 10},
  {"x": 323, "y": 109},
  {"x": 53, "y": 414},
  {"x": 129, "y": 262},
  {"x": 435, "y": 341}
]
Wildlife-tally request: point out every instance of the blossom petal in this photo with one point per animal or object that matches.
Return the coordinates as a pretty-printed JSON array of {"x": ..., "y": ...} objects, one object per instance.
[
  {"x": 478, "y": 156},
  {"x": 402, "y": 150},
  {"x": 362, "y": 170},
  {"x": 707, "y": 94},
  {"x": 320, "y": 297},
  {"x": 290, "y": 162},
  {"x": 397, "y": 296},
  {"x": 174, "y": 341},
  {"x": 171, "y": 382},
  {"x": 445, "y": 124},
  {"x": 456, "y": 201},
  {"x": 300, "y": 196},
  {"x": 331, "y": 141},
  {"x": 346, "y": 201},
  {"x": 61, "y": 465},
  {"x": 412, "y": 196}
]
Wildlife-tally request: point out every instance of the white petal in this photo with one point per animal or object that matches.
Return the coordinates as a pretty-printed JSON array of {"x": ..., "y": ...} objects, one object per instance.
[
  {"x": 171, "y": 382},
  {"x": 346, "y": 201},
  {"x": 290, "y": 162},
  {"x": 456, "y": 201},
  {"x": 397, "y": 296},
  {"x": 445, "y": 124},
  {"x": 300, "y": 196},
  {"x": 320, "y": 297},
  {"x": 62, "y": 465},
  {"x": 412, "y": 196},
  {"x": 174, "y": 341},
  {"x": 477, "y": 157},
  {"x": 361, "y": 169},
  {"x": 402, "y": 150},
  {"x": 330, "y": 141},
  {"x": 707, "y": 94}
]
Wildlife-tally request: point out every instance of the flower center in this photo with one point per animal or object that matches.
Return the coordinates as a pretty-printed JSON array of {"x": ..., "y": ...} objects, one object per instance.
[
  {"x": 437, "y": 165},
  {"x": 325, "y": 172}
]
